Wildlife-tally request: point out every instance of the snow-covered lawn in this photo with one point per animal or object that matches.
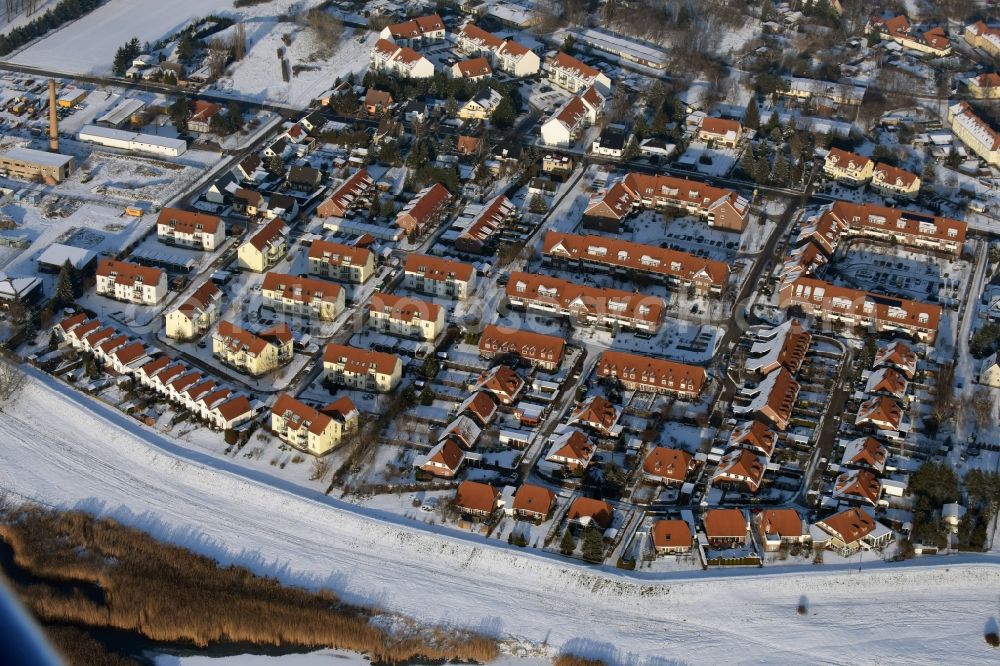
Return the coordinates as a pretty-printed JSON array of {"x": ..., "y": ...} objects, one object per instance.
[{"x": 62, "y": 449}]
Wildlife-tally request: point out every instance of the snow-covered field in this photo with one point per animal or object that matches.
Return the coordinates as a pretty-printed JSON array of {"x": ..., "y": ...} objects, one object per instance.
[
  {"x": 88, "y": 45},
  {"x": 61, "y": 448}
]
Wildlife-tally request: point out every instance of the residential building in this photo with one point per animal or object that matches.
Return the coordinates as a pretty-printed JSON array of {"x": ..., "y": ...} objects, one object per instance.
[
  {"x": 584, "y": 512},
  {"x": 517, "y": 59},
  {"x": 652, "y": 375},
  {"x": 720, "y": 131},
  {"x": 857, "y": 486},
  {"x": 597, "y": 415},
  {"x": 478, "y": 237},
  {"x": 558, "y": 167},
  {"x": 592, "y": 306},
  {"x": 887, "y": 381},
  {"x": 480, "y": 407},
  {"x": 473, "y": 69},
  {"x": 667, "y": 466},
  {"x": 897, "y": 355},
  {"x": 377, "y": 101},
  {"x": 860, "y": 308},
  {"x": 132, "y": 283},
  {"x": 990, "y": 374},
  {"x": 439, "y": 277},
  {"x": 848, "y": 167},
  {"x": 567, "y": 72},
  {"x": 304, "y": 178},
  {"x": 850, "y": 531},
  {"x": 481, "y": 106},
  {"x": 610, "y": 142},
  {"x": 671, "y": 537},
  {"x": 502, "y": 383},
  {"x": 302, "y": 296},
  {"x": 401, "y": 61},
  {"x": 725, "y": 528},
  {"x": 196, "y": 314},
  {"x": 899, "y": 29},
  {"x": 754, "y": 436},
  {"x": 424, "y": 209},
  {"x": 740, "y": 469},
  {"x": 345, "y": 263},
  {"x": 429, "y": 29},
  {"x": 720, "y": 207},
  {"x": 362, "y": 369},
  {"x": 479, "y": 500},
  {"x": 783, "y": 346},
  {"x": 405, "y": 317},
  {"x": 535, "y": 349},
  {"x": 975, "y": 132},
  {"x": 196, "y": 231},
  {"x": 879, "y": 413},
  {"x": 625, "y": 258},
  {"x": 202, "y": 113},
  {"x": 444, "y": 460},
  {"x": 866, "y": 453},
  {"x": 985, "y": 85},
  {"x": 252, "y": 353},
  {"x": 315, "y": 431},
  {"x": 473, "y": 40},
  {"x": 564, "y": 127},
  {"x": 533, "y": 502},
  {"x": 981, "y": 36},
  {"x": 352, "y": 194},
  {"x": 265, "y": 248},
  {"x": 571, "y": 449},
  {"x": 772, "y": 399},
  {"x": 464, "y": 430},
  {"x": 890, "y": 181},
  {"x": 778, "y": 527}
]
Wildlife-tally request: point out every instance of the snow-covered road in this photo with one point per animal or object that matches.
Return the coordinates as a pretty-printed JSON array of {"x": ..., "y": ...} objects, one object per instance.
[{"x": 60, "y": 448}]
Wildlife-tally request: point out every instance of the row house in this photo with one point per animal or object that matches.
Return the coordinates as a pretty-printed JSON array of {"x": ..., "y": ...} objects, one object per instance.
[
  {"x": 652, "y": 375},
  {"x": 535, "y": 349},
  {"x": 857, "y": 486},
  {"x": 219, "y": 405},
  {"x": 847, "y": 167},
  {"x": 720, "y": 131},
  {"x": 568, "y": 122},
  {"x": 981, "y": 36},
  {"x": 424, "y": 209},
  {"x": 401, "y": 61},
  {"x": 783, "y": 346},
  {"x": 253, "y": 353},
  {"x": 131, "y": 283},
  {"x": 593, "y": 306},
  {"x": 975, "y": 132},
  {"x": 900, "y": 30},
  {"x": 362, "y": 369},
  {"x": 486, "y": 225},
  {"x": 345, "y": 263},
  {"x": 861, "y": 308},
  {"x": 315, "y": 431},
  {"x": 720, "y": 207},
  {"x": 302, "y": 296},
  {"x": 507, "y": 55},
  {"x": 755, "y": 436},
  {"x": 567, "y": 72},
  {"x": 429, "y": 29},
  {"x": 196, "y": 315},
  {"x": 772, "y": 399},
  {"x": 439, "y": 277},
  {"x": 354, "y": 193},
  {"x": 265, "y": 248},
  {"x": 196, "y": 231},
  {"x": 626, "y": 258},
  {"x": 405, "y": 317},
  {"x": 891, "y": 181}
]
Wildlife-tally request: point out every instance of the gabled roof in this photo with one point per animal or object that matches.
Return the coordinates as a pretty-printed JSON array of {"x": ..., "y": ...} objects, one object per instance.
[
  {"x": 858, "y": 484},
  {"x": 301, "y": 289},
  {"x": 403, "y": 308},
  {"x": 843, "y": 159},
  {"x": 339, "y": 254},
  {"x": 474, "y": 67},
  {"x": 299, "y": 415},
  {"x": 596, "y": 411},
  {"x": 360, "y": 361},
  {"x": 572, "y": 445},
  {"x": 741, "y": 466},
  {"x": 438, "y": 269},
  {"x": 897, "y": 355},
  {"x": 666, "y": 463},
  {"x": 427, "y": 203},
  {"x": 526, "y": 344},
  {"x": 188, "y": 222},
  {"x": 536, "y": 499},
  {"x": 782, "y": 346},
  {"x": 781, "y": 523},
  {"x": 234, "y": 408},
  {"x": 881, "y": 411},
  {"x": 721, "y": 127},
  {"x": 235, "y": 337},
  {"x": 653, "y": 372},
  {"x": 127, "y": 273},
  {"x": 474, "y": 33},
  {"x": 850, "y": 525},
  {"x": 671, "y": 534},
  {"x": 755, "y": 436},
  {"x": 475, "y": 496},
  {"x": 199, "y": 300},
  {"x": 725, "y": 524},
  {"x": 584, "y": 298},
  {"x": 574, "y": 67},
  {"x": 481, "y": 406},
  {"x": 865, "y": 452},
  {"x": 501, "y": 381},
  {"x": 446, "y": 453},
  {"x": 774, "y": 398},
  {"x": 886, "y": 173},
  {"x": 269, "y": 233},
  {"x": 887, "y": 380},
  {"x": 72, "y": 321},
  {"x": 598, "y": 511}
]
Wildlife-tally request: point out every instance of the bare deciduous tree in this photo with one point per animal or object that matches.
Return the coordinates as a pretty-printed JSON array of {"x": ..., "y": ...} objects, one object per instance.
[{"x": 12, "y": 381}]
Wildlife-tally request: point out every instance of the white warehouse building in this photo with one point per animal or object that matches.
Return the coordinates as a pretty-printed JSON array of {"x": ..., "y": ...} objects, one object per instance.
[{"x": 151, "y": 144}]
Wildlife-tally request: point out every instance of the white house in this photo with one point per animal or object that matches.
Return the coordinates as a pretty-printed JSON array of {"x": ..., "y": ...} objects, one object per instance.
[
  {"x": 196, "y": 231},
  {"x": 131, "y": 283}
]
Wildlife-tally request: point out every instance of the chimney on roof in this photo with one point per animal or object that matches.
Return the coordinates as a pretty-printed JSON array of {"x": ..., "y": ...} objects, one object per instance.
[{"x": 53, "y": 119}]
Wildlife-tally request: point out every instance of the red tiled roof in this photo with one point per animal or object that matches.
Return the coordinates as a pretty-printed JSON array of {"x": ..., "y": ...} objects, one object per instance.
[
  {"x": 360, "y": 361},
  {"x": 438, "y": 269},
  {"x": 598, "y": 511},
  {"x": 404, "y": 308},
  {"x": 188, "y": 222},
  {"x": 584, "y": 298},
  {"x": 671, "y": 534},
  {"x": 725, "y": 523},
  {"x": 475, "y": 496},
  {"x": 653, "y": 372},
  {"x": 300, "y": 288},
  {"x": 667, "y": 463},
  {"x": 535, "y": 499},
  {"x": 128, "y": 273}
]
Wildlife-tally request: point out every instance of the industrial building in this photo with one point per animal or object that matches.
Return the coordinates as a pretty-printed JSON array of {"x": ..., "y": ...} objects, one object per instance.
[
  {"x": 121, "y": 114},
  {"x": 30, "y": 164},
  {"x": 150, "y": 144}
]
